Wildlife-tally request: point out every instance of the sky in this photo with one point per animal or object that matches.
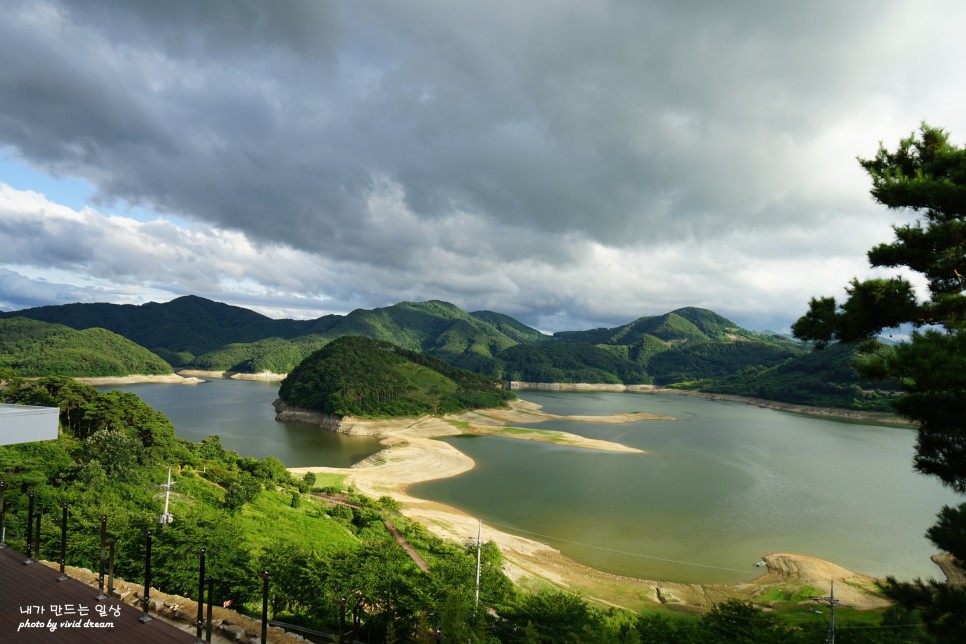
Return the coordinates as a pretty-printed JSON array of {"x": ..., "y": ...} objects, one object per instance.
[{"x": 573, "y": 164}]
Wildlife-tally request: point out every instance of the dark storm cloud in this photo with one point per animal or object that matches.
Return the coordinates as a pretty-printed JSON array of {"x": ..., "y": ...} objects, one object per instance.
[
  {"x": 486, "y": 153},
  {"x": 608, "y": 119}
]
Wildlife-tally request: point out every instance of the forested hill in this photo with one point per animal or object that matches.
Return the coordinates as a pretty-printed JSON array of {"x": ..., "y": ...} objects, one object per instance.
[
  {"x": 689, "y": 347},
  {"x": 360, "y": 376},
  {"x": 33, "y": 348},
  {"x": 191, "y": 331}
]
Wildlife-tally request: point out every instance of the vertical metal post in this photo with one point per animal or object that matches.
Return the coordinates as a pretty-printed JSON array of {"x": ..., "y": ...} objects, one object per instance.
[
  {"x": 30, "y": 527},
  {"x": 147, "y": 577},
  {"x": 341, "y": 619},
  {"x": 40, "y": 513},
  {"x": 100, "y": 568},
  {"x": 201, "y": 593},
  {"x": 356, "y": 618},
  {"x": 831, "y": 607},
  {"x": 63, "y": 542},
  {"x": 3, "y": 514},
  {"x": 264, "y": 606},
  {"x": 110, "y": 567},
  {"x": 211, "y": 597}
]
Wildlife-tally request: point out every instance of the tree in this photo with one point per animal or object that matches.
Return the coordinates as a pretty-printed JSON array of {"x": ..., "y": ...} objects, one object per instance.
[
  {"x": 926, "y": 174},
  {"x": 738, "y": 621}
]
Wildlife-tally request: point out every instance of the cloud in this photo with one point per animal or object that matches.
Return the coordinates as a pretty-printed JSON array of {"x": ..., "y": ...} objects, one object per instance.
[{"x": 566, "y": 163}]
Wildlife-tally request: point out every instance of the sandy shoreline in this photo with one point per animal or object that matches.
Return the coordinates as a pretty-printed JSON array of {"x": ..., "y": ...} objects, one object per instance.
[
  {"x": 875, "y": 417},
  {"x": 412, "y": 455},
  {"x": 167, "y": 378},
  {"x": 233, "y": 375}
]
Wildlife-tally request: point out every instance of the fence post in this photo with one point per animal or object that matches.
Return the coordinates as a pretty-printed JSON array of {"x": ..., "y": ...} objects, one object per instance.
[
  {"x": 63, "y": 542},
  {"x": 3, "y": 514},
  {"x": 265, "y": 576},
  {"x": 30, "y": 528},
  {"x": 110, "y": 567},
  {"x": 147, "y": 577},
  {"x": 201, "y": 593},
  {"x": 341, "y": 619},
  {"x": 211, "y": 596},
  {"x": 40, "y": 513},
  {"x": 100, "y": 569}
]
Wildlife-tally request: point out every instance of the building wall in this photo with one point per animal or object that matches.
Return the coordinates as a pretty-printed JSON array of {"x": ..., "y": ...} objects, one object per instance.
[{"x": 26, "y": 424}]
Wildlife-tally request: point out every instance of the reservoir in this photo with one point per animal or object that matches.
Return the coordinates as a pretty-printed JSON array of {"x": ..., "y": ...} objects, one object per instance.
[
  {"x": 241, "y": 413},
  {"x": 720, "y": 486}
]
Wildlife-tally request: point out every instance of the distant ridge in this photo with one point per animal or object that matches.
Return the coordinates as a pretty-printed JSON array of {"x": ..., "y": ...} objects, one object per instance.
[
  {"x": 34, "y": 348},
  {"x": 689, "y": 347}
]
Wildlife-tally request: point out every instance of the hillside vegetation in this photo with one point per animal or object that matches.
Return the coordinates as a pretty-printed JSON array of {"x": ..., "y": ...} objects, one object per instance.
[
  {"x": 35, "y": 348},
  {"x": 360, "y": 376},
  {"x": 318, "y": 541},
  {"x": 822, "y": 378}
]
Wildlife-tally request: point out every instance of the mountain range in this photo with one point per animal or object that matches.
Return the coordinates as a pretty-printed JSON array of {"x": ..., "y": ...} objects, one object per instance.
[{"x": 689, "y": 347}]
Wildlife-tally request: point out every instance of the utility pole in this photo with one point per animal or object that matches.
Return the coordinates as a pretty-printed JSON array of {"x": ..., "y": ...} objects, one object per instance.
[
  {"x": 832, "y": 603},
  {"x": 166, "y": 517},
  {"x": 479, "y": 532}
]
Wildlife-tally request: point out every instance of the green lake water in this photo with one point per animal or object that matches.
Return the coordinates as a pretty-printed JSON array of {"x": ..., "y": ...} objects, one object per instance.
[
  {"x": 722, "y": 485},
  {"x": 241, "y": 413}
]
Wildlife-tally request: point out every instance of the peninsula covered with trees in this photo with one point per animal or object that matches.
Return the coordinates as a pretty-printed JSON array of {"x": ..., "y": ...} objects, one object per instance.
[{"x": 358, "y": 376}]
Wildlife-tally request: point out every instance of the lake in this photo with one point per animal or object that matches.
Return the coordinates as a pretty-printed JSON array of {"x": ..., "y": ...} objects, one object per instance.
[
  {"x": 241, "y": 413},
  {"x": 720, "y": 486}
]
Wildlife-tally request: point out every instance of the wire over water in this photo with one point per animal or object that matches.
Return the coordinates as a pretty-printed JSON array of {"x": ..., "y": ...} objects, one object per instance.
[{"x": 620, "y": 552}]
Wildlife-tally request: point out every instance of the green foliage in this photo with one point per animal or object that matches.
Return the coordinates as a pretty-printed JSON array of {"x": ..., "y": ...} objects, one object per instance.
[
  {"x": 556, "y": 616},
  {"x": 743, "y": 623},
  {"x": 567, "y": 362},
  {"x": 35, "y": 348},
  {"x": 277, "y": 355},
  {"x": 187, "y": 324},
  {"x": 364, "y": 377},
  {"x": 704, "y": 360},
  {"x": 821, "y": 378}
]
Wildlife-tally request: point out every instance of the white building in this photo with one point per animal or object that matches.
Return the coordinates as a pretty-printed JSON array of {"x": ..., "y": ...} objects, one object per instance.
[{"x": 27, "y": 424}]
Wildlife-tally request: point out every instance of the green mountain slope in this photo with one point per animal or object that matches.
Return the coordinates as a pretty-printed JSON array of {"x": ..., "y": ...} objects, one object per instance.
[
  {"x": 187, "y": 324},
  {"x": 435, "y": 328},
  {"x": 360, "y": 376},
  {"x": 820, "y": 378},
  {"x": 195, "y": 332},
  {"x": 688, "y": 347},
  {"x": 34, "y": 348}
]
